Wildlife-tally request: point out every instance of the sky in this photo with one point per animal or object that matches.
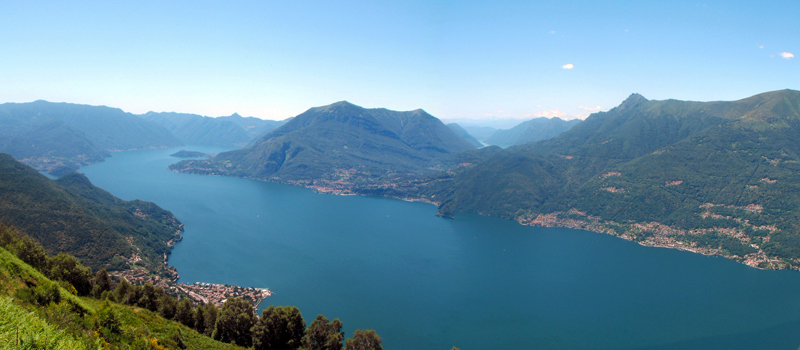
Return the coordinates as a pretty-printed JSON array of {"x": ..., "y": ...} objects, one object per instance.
[{"x": 454, "y": 59}]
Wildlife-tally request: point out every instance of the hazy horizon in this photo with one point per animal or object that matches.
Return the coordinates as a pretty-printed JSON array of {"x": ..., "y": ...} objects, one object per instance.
[{"x": 467, "y": 60}]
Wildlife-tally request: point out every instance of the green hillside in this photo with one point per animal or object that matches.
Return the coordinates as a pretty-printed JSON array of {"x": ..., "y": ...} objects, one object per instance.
[
  {"x": 341, "y": 142},
  {"x": 59, "y": 137},
  {"x": 55, "y": 303},
  {"x": 713, "y": 177},
  {"x": 37, "y": 312},
  {"x": 72, "y": 215}
]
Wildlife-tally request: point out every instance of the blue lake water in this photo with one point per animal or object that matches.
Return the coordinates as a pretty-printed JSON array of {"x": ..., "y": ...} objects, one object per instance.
[{"x": 425, "y": 282}]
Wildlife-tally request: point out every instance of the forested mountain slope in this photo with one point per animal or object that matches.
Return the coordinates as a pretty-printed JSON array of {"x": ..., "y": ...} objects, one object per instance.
[
  {"x": 714, "y": 177},
  {"x": 59, "y": 137},
  {"x": 71, "y": 215},
  {"x": 341, "y": 142}
]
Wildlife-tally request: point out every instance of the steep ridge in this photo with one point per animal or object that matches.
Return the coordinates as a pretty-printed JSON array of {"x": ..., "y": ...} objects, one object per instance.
[
  {"x": 341, "y": 142},
  {"x": 59, "y": 137},
  {"x": 72, "y": 215},
  {"x": 711, "y": 177}
]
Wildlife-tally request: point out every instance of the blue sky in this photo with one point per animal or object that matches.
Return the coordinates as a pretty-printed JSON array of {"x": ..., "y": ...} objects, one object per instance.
[{"x": 455, "y": 59}]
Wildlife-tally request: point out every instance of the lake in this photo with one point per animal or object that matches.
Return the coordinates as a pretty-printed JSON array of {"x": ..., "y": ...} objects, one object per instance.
[{"x": 426, "y": 282}]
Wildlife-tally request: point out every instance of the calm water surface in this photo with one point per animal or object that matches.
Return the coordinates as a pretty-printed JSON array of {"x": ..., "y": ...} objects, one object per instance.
[{"x": 425, "y": 282}]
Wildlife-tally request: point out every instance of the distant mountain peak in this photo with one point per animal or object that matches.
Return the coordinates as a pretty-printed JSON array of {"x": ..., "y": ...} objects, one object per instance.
[
  {"x": 342, "y": 103},
  {"x": 632, "y": 100},
  {"x": 235, "y": 115}
]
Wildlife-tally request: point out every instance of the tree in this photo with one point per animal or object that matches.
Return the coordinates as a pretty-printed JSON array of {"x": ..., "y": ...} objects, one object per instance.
[
  {"x": 279, "y": 328},
  {"x": 65, "y": 267},
  {"x": 199, "y": 320},
  {"x": 210, "y": 313},
  {"x": 364, "y": 340},
  {"x": 123, "y": 289},
  {"x": 167, "y": 306},
  {"x": 323, "y": 335},
  {"x": 29, "y": 251},
  {"x": 234, "y": 322},
  {"x": 149, "y": 298},
  {"x": 102, "y": 283},
  {"x": 184, "y": 313}
]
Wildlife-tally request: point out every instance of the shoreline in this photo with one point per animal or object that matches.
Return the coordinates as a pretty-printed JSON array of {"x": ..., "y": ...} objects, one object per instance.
[
  {"x": 758, "y": 260},
  {"x": 651, "y": 234}
]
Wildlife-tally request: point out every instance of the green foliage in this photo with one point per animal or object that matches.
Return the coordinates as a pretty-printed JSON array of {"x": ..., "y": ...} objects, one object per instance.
[
  {"x": 710, "y": 166},
  {"x": 47, "y": 314},
  {"x": 279, "y": 328},
  {"x": 206, "y": 319},
  {"x": 73, "y": 216},
  {"x": 234, "y": 322},
  {"x": 167, "y": 307},
  {"x": 102, "y": 284},
  {"x": 22, "y": 329},
  {"x": 323, "y": 335},
  {"x": 185, "y": 314},
  {"x": 65, "y": 267},
  {"x": 42, "y": 294},
  {"x": 364, "y": 340}
]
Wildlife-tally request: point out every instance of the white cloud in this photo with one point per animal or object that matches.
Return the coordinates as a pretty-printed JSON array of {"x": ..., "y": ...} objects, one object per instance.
[
  {"x": 787, "y": 55},
  {"x": 570, "y": 65},
  {"x": 760, "y": 46},
  {"x": 551, "y": 32},
  {"x": 592, "y": 109}
]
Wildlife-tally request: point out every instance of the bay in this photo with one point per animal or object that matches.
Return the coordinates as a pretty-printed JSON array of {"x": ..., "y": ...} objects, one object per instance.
[{"x": 425, "y": 282}]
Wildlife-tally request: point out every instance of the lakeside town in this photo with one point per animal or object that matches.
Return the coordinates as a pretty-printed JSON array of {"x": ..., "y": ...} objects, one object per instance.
[{"x": 198, "y": 292}]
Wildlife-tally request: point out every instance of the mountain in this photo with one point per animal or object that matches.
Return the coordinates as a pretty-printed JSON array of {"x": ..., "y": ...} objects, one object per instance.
[
  {"x": 232, "y": 131},
  {"x": 465, "y": 135},
  {"x": 537, "y": 129},
  {"x": 71, "y": 215},
  {"x": 341, "y": 142},
  {"x": 711, "y": 177},
  {"x": 59, "y": 137}
]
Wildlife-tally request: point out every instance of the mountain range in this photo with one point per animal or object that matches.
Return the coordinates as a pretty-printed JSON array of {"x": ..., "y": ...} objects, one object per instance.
[
  {"x": 60, "y": 137},
  {"x": 342, "y": 142},
  {"x": 712, "y": 177},
  {"x": 533, "y": 130},
  {"x": 231, "y": 131}
]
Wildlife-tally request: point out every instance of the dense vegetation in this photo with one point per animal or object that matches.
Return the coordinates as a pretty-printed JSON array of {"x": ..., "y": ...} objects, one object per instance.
[
  {"x": 55, "y": 302},
  {"x": 71, "y": 215},
  {"x": 716, "y": 177},
  {"x": 341, "y": 142},
  {"x": 533, "y": 130},
  {"x": 59, "y": 137},
  {"x": 232, "y": 131}
]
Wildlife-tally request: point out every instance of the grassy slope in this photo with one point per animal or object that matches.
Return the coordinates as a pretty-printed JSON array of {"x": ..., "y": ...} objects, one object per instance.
[{"x": 56, "y": 323}]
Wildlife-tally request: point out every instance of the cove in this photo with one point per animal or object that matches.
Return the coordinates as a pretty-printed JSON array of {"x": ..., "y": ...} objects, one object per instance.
[{"x": 425, "y": 282}]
